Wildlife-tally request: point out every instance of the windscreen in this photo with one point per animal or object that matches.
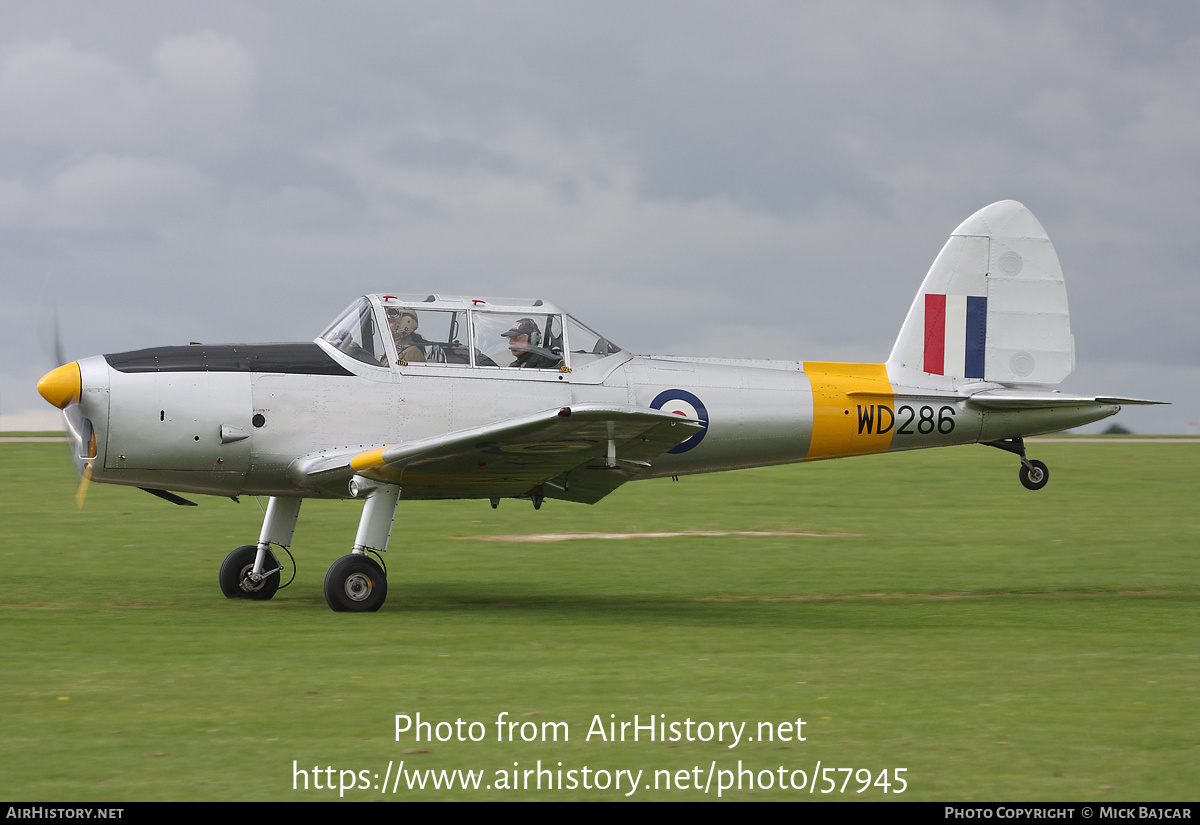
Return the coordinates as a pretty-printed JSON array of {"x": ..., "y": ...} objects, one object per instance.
[{"x": 356, "y": 334}]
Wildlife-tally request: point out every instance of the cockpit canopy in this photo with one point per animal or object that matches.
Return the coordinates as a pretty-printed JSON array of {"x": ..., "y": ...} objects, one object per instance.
[{"x": 402, "y": 330}]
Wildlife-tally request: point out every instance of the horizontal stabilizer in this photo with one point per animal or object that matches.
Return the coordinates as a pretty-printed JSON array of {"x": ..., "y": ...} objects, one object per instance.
[
  {"x": 1115, "y": 400},
  {"x": 1021, "y": 400}
]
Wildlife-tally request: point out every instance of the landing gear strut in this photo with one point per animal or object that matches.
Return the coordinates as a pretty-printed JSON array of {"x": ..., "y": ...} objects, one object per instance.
[
  {"x": 252, "y": 570},
  {"x": 357, "y": 583},
  {"x": 1033, "y": 473}
]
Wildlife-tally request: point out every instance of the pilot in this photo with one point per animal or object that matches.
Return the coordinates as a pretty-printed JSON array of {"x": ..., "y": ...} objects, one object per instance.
[
  {"x": 403, "y": 324},
  {"x": 524, "y": 339}
]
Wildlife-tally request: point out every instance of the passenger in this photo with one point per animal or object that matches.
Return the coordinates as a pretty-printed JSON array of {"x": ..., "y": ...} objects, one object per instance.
[
  {"x": 524, "y": 339},
  {"x": 403, "y": 324}
]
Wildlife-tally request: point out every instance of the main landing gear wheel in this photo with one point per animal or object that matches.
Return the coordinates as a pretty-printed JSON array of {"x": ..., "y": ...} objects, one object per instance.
[
  {"x": 235, "y": 575},
  {"x": 355, "y": 584},
  {"x": 1035, "y": 475}
]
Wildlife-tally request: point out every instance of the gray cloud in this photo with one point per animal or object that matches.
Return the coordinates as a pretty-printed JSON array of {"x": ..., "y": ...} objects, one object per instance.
[{"x": 769, "y": 179}]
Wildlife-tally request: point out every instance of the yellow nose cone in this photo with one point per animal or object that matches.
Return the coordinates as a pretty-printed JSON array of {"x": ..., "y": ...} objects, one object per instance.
[{"x": 61, "y": 385}]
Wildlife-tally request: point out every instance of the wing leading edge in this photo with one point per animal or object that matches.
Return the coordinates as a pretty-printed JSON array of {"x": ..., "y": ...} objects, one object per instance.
[{"x": 577, "y": 453}]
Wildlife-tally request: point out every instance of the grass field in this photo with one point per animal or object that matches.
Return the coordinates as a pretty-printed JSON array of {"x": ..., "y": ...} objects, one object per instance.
[{"x": 995, "y": 644}]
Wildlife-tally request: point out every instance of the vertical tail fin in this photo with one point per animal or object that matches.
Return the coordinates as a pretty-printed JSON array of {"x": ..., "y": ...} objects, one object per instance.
[{"x": 992, "y": 308}]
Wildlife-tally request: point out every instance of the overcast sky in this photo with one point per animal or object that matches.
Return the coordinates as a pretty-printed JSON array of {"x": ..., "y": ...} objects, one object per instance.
[{"x": 756, "y": 179}]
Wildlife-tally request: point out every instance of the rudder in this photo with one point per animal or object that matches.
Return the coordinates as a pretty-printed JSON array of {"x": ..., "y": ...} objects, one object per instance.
[{"x": 992, "y": 308}]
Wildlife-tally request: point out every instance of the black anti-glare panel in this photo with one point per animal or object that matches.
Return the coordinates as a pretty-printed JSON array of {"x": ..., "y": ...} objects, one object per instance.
[{"x": 300, "y": 358}]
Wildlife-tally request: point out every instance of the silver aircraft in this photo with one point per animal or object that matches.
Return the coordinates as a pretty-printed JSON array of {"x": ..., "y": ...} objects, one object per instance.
[{"x": 439, "y": 397}]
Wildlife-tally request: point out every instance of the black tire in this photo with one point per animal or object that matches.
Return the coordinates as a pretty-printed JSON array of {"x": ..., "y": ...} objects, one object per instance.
[
  {"x": 355, "y": 584},
  {"x": 237, "y": 567},
  {"x": 1035, "y": 476}
]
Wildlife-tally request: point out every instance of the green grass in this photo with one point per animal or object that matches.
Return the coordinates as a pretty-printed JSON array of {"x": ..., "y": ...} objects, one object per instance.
[{"x": 995, "y": 643}]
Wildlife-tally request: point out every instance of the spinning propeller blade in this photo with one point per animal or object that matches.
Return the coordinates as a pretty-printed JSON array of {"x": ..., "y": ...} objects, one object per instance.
[
  {"x": 62, "y": 387},
  {"x": 84, "y": 479}
]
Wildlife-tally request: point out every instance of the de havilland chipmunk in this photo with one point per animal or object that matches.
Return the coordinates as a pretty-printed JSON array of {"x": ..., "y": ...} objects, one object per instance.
[{"x": 437, "y": 397}]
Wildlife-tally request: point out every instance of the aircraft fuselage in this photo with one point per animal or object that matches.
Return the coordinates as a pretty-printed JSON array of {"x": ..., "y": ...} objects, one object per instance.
[{"x": 164, "y": 423}]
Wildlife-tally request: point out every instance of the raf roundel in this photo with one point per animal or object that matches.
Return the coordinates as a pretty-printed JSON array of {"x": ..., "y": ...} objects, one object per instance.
[{"x": 682, "y": 402}]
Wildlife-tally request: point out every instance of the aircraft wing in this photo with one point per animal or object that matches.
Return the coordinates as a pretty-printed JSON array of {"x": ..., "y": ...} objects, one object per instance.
[
  {"x": 579, "y": 453},
  {"x": 1022, "y": 400}
]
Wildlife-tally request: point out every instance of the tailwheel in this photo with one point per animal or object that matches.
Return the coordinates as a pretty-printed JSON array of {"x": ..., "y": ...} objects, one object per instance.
[
  {"x": 236, "y": 570},
  {"x": 355, "y": 584},
  {"x": 1034, "y": 475}
]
